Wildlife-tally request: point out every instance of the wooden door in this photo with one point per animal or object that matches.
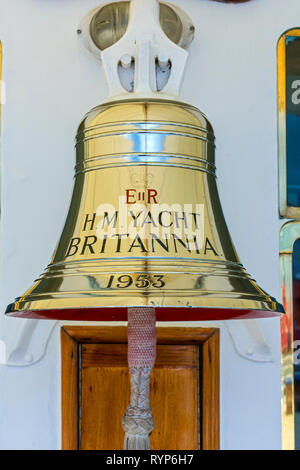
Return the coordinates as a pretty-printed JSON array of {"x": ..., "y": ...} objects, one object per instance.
[{"x": 96, "y": 390}]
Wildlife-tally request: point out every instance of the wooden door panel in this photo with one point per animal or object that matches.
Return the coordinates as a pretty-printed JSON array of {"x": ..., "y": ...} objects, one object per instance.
[
  {"x": 95, "y": 387},
  {"x": 105, "y": 395},
  {"x": 174, "y": 400}
]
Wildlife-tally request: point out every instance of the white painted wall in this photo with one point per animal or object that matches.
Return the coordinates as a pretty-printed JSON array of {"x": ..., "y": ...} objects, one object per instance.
[{"x": 51, "y": 83}]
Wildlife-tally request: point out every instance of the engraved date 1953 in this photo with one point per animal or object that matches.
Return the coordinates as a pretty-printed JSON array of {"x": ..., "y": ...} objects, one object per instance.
[{"x": 142, "y": 281}]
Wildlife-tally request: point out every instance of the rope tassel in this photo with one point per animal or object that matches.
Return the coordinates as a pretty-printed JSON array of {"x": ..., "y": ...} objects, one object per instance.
[{"x": 138, "y": 421}]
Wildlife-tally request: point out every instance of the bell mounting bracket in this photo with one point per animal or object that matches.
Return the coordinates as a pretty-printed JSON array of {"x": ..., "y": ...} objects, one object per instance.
[{"x": 142, "y": 45}]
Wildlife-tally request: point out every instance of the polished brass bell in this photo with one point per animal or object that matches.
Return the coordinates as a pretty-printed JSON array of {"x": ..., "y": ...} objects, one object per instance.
[{"x": 145, "y": 226}]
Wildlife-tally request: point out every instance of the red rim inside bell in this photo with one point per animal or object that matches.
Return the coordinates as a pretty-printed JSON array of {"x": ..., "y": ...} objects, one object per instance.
[{"x": 170, "y": 314}]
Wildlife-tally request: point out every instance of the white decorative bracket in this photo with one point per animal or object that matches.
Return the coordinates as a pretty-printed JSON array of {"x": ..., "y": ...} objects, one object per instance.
[
  {"x": 29, "y": 347},
  {"x": 249, "y": 341},
  {"x": 143, "y": 51}
]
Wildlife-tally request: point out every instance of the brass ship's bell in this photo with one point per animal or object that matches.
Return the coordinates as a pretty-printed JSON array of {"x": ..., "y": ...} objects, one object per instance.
[{"x": 145, "y": 226}]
